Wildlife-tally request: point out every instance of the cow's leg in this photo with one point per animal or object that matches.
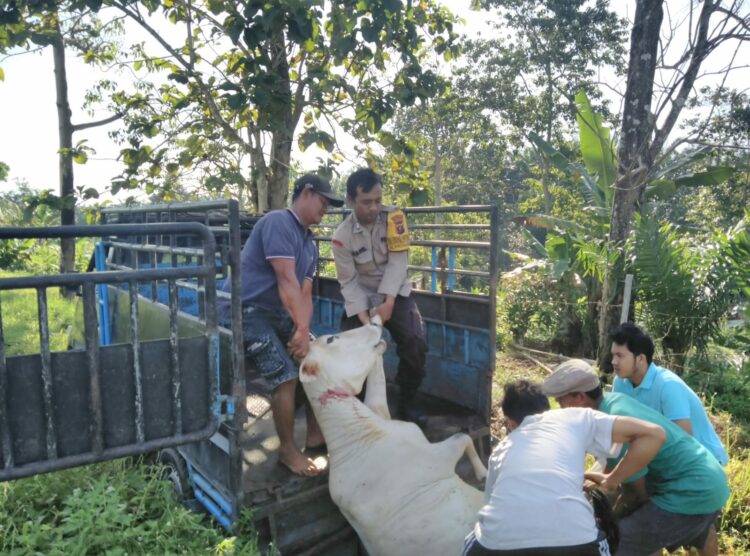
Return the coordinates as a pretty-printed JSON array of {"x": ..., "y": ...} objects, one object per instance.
[
  {"x": 375, "y": 395},
  {"x": 451, "y": 449}
]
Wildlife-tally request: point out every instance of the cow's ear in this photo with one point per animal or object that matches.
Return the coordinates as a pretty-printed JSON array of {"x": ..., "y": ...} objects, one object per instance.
[{"x": 308, "y": 370}]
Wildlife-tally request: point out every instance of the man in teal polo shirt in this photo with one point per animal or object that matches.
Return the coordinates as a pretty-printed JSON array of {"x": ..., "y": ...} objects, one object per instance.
[
  {"x": 659, "y": 388},
  {"x": 685, "y": 484}
]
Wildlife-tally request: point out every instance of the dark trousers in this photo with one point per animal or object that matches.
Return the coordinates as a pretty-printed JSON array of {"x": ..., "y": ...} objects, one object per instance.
[
  {"x": 599, "y": 547},
  {"x": 407, "y": 330}
]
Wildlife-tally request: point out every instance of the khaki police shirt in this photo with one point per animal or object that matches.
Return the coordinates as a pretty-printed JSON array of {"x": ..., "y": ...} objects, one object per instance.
[{"x": 364, "y": 266}]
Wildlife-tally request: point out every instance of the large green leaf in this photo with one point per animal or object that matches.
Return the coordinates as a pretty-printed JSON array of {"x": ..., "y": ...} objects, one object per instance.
[
  {"x": 592, "y": 192},
  {"x": 554, "y": 156},
  {"x": 711, "y": 176},
  {"x": 596, "y": 145}
]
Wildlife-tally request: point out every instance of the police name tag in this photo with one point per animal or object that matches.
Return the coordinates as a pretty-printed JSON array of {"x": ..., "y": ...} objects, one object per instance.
[{"x": 397, "y": 232}]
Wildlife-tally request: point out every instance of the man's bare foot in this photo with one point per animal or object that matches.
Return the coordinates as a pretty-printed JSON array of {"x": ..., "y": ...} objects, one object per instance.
[{"x": 299, "y": 464}]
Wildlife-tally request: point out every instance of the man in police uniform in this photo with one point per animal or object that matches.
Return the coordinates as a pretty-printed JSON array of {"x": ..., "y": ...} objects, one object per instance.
[{"x": 370, "y": 249}]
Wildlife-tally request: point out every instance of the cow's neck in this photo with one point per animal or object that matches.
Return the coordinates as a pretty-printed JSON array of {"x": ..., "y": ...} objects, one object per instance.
[{"x": 346, "y": 422}]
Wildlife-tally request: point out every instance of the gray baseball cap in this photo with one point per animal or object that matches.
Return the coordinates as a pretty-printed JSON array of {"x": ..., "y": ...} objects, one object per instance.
[{"x": 573, "y": 375}]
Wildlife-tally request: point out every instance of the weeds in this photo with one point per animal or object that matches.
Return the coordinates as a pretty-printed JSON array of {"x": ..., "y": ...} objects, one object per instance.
[{"x": 114, "y": 508}]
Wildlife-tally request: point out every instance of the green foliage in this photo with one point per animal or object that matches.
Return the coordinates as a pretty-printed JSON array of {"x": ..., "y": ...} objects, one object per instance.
[
  {"x": 597, "y": 147},
  {"x": 114, "y": 508},
  {"x": 250, "y": 76},
  {"x": 534, "y": 309},
  {"x": 544, "y": 52},
  {"x": 684, "y": 290}
]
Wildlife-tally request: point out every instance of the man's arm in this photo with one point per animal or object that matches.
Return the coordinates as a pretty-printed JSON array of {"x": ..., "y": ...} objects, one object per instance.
[
  {"x": 297, "y": 299},
  {"x": 685, "y": 424},
  {"x": 644, "y": 439}
]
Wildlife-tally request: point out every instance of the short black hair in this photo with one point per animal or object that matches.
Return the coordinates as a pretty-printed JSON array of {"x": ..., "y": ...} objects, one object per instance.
[
  {"x": 365, "y": 179},
  {"x": 595, "y": 394},
  {"x": 635, "y": 339},
  {"x": 314, "y": 179},
  {"x": 523, "y": 398}
]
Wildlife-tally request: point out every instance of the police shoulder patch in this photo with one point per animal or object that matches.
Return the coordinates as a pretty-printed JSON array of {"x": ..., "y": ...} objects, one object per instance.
[{"x": 397, "y": 232}]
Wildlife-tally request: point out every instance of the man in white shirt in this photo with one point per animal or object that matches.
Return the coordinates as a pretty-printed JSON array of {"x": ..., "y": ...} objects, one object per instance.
[{"x": 534, "y": 498}]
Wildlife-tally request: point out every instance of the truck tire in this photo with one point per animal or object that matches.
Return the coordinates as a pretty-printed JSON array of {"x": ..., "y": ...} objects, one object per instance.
[{"x": 175, "y": 471}]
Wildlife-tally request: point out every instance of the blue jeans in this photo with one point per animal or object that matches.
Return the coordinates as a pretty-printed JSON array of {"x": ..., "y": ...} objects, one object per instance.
[{"x": 266, "y": 333}]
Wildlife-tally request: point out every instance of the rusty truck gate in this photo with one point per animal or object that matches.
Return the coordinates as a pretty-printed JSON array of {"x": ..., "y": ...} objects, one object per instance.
[{"x": 63, "y": 409}]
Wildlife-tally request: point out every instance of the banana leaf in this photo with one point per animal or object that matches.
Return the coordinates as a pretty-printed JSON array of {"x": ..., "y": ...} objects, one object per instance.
[{"x": 596, "y": 146}]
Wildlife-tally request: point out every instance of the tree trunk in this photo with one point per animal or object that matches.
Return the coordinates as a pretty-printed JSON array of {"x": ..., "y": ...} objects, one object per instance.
[
  {"x": 65, "y": 134},
  {"x": 283, "y": 135},
  {"x": 633, "y": 156}
]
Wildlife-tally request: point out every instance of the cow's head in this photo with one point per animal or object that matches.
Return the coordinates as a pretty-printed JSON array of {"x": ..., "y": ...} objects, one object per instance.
[{"x": 344, "y": 360}]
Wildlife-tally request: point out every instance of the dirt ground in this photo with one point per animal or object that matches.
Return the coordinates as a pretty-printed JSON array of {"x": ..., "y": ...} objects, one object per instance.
[{"x": 510, "y": 366}]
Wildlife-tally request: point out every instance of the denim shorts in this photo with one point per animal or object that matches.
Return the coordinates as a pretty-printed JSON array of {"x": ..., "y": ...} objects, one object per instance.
[
  {"x": 650, "y": 528},
  {"x": 266, "y": 333}
]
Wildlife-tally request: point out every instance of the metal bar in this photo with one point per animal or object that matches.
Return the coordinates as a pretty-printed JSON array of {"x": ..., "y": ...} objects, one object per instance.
[
  {"x": 154, "y": 284},
  {"x": 46, "y": 466},
  {"x": 451, "y": 266},
  {"x": 7, "y": 442},
  {"x": 433, "y": 275},
  {"x": 212, "y": 330},
  {"x": 198, "y": 480},
  {"x": 436, "y": 243},
  {"x": 458, "y": 227},
  {"x": 47, "y": 386},
  {"x": 92, "y": 360},
  {"x": 414, "y": 210},
  {"x": 212, "y": 508},
  {"x": 477, "y": 273},
  {"x": 135, "y": 343},
  {"x": 239, "y": 391},
  {"x": 105, "y": 332},
  {"x": 193, "y": 206},
  {"x": 108, "y": 277},
  {"x": 174, "y": 360},
  {"x": 52, "y": 232},
  {"x": 151, "y": 248},
  {"x": 494, "y": 272},
  {"x": 441, "y": 264}
]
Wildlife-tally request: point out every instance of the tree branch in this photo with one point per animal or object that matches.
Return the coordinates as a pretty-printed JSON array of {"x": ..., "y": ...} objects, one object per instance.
[{"x": 105, "y": 121}]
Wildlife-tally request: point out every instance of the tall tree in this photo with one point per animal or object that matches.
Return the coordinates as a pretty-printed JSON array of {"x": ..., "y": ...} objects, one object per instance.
[
  {"x": 246, "y": 74},
  {"x": 650, "y": 113},
  {"x": 545, "y": 52},
  {"x": 31, "y": 25}
]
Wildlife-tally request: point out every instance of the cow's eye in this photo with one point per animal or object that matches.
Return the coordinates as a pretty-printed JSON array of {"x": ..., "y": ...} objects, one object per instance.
[{"x": 330, "y": 339}]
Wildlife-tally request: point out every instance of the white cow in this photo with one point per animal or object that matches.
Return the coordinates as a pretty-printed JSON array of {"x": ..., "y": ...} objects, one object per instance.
[{"x": 399, "y": 492}]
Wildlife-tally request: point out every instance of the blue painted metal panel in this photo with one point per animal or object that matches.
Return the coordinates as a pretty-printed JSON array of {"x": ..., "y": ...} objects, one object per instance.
[
  {"x": 458, "y": 358},
  {"x": 102, "y": 291}
]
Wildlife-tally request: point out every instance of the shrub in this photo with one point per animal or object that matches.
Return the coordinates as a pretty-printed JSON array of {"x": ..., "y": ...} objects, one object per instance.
[{"x": 112, "y": 508}]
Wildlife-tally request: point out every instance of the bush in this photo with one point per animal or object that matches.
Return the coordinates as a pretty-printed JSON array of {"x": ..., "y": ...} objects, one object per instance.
[
  {"x": 112, "y": 508},
  {"x": 535, "y": 309}
]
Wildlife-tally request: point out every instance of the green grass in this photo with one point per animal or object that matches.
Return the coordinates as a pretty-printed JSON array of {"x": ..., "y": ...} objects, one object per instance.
[
  {"x": 114, "y": 508},
  {"x": 20, "y": 321}
]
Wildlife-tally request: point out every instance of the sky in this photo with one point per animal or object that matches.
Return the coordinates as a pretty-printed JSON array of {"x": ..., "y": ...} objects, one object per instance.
[{"x": 28, "y": 117}]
